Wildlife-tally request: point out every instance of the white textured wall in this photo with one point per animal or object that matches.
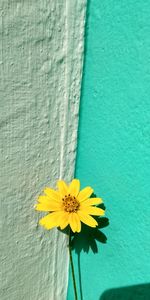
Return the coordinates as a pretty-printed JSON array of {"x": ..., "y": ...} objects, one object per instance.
[{"x": 41, "y": 54}]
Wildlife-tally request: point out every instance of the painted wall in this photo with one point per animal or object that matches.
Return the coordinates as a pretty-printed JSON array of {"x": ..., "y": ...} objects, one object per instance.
[
  {"x": 114, "y": 147},
  {"x": 41, "y": 51}
]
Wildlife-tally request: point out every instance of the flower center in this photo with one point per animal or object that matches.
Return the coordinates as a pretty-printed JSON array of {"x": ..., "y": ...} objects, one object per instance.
[{"x": 70, "y": 203}]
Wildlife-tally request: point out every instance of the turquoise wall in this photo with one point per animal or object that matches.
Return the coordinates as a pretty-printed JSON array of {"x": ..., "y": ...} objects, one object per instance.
[{"x": 114, "y": 147}]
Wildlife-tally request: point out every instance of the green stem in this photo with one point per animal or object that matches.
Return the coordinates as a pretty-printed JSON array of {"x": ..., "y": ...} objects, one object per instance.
[{"x": 72, "y": 268}]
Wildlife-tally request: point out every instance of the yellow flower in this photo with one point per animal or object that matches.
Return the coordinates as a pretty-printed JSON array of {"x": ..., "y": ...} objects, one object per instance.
[{"x": 69, "y": 206}]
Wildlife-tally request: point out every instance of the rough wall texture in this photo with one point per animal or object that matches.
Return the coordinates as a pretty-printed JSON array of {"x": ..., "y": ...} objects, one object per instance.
[
  {"x": 114, "y": 146},
  {"x": 41, "y": 49}
]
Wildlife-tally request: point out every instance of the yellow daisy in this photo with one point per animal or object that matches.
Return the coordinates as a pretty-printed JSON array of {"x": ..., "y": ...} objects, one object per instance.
[{"x": 69, "y": 206}]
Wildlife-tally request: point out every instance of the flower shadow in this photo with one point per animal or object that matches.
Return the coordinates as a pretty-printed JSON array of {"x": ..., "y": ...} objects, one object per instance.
[{"x": 87, "y": 239}]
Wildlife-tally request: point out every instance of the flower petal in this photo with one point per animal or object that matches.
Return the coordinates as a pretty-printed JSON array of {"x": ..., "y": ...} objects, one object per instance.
[
  {"x": 88, "y": 220},
  {"x": 48, "y": 206},
  {"x": 62, "y": 187},
  {"x": 73, "y": 222},
  {"x": 91, "y": 201},
  {"x": 47, "y": 201},
  {"x": 51, "y": 220},
  {"x": 85, "y": 193},
  {"x": 76, "y": 217},
  {"x": 64, "y": 220},
  {"x": 74, "y": 187},
  {"x": 54, "y": 195},
  {"x": 43, "y": 199},
  {"x": 95, "y": 211}
]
